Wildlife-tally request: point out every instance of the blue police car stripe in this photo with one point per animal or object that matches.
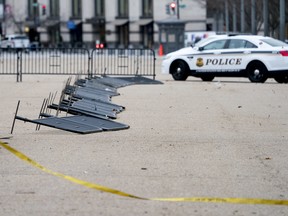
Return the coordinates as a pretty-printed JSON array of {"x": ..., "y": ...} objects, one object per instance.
[{"x": 234, "y": 52}]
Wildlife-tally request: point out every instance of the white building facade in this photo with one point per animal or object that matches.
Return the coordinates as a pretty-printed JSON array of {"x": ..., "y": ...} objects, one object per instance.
[{"x": 115, "y": 23}]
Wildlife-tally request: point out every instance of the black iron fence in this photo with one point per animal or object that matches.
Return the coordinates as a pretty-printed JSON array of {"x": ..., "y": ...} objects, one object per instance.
[
  {"x": 123, "y": 62},
  {"x": 9, "y": 63},
  {"x": 77, "y": 61}
]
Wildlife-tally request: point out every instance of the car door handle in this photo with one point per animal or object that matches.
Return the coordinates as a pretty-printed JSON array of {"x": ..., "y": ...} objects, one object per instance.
[
  {"x": 247, "y": 52},
  {"x": 217, "y": 53}
]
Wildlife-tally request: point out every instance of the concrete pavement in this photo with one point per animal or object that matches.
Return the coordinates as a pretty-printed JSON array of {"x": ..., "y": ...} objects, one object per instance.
[{"x": 226, "y": 138}]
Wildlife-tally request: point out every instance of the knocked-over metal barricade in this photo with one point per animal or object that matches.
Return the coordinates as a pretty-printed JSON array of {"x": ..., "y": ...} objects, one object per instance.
[{"x": 77, "y": 61}]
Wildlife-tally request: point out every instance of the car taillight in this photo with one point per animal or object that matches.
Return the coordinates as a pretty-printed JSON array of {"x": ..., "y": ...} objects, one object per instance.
[
  {"x": 99, "y": 46},
  {"x": 284, "y": 53}
]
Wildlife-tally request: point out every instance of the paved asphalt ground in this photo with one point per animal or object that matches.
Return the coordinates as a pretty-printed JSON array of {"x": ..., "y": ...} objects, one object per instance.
[{"x": 227, "y": 139}]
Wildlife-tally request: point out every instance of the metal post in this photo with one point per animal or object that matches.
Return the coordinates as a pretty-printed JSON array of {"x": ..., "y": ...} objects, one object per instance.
[
  {"x": 178, "y": 10},
  {"x": 35, "y": 12},
  {"x": 253, "y": 17},
  {"x": 226, "y": 16},
  {"x": 265, "y": 16},
  {"x": 19, "y": 77},
  {"x": 18, "y": 104},
  {"x": 282, "y": 20},
  {"x": 242, "y": 16}
]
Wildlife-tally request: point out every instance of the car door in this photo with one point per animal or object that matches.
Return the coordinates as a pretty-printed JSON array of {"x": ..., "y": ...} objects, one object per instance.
[
  {"x": 208, "y": 57},
  {"x": 236, "y": 55}
]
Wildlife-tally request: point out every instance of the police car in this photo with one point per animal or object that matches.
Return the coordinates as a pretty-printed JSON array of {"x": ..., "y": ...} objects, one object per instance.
[
  {"x": 15, "y": 42},
  {"x": 252, "y": 56}
]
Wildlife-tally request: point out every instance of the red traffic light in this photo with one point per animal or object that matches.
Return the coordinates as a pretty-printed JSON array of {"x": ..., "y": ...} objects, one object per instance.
[
  {"x": 172, "y": 5},
  {"x": 43, "y": 9}
]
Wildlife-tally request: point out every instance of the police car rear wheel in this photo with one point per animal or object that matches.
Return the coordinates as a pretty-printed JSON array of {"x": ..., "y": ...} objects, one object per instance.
[
  {"x": 257, "y": 72},
  {"x": 282, "y": 79},
  {"x": 179, "y": 70}
]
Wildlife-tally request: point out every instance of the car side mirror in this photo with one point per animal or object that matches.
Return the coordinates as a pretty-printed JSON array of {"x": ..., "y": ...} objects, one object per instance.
[{"x": 200, "y": 48}]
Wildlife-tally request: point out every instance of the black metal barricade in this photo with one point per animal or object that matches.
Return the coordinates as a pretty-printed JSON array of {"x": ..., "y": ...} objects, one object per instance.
[
  {"x": 58, "y": 61},
  {"x": 10, "y": 63},
  {"x": 123, "y": 62},
  {"x": 77, "y": 61}
]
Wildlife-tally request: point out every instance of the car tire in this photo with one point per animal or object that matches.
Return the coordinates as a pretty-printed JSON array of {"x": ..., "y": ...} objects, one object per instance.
[
  {"x": 257, "y": 72},
  {"x": 281, "y": 79},
  {"x": 207, "y": 78},
  {"x": 179, "y": 70}
]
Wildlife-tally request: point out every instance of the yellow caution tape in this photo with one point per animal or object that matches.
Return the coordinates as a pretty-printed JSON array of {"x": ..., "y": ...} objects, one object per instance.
[{"x": 120, "y": 193}]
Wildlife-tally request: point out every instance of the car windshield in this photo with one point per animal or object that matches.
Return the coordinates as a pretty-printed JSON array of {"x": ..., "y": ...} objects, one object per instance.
[
  {"x": 273, "y": 42},
  {"x": 206, "y": 40},
  {"x": 203, "y": 41}
]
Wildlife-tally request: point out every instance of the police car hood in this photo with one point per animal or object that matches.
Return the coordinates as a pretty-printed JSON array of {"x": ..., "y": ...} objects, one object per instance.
[{"x": 183, "y": 51}]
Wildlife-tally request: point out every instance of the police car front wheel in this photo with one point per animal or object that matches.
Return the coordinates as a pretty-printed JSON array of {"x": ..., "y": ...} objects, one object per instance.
[
  {"x": 179, "y": 70},
  {"x": 257, "y": 72}
]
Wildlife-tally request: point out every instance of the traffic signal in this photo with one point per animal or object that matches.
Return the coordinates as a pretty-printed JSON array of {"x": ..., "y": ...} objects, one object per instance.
[
  {"x": 43, "y": 9},
  {"x": 173, "y": 6},
  {"x": 167, "y": 9}
]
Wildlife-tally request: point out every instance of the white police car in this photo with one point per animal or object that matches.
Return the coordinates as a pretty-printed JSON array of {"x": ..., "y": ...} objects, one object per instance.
[
  {"x": 255, "y": 57},
  {"x": 15, "y": 42}
]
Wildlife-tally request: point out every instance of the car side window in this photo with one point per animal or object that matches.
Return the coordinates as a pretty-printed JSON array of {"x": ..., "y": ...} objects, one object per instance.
[
  {"x": 250, "y": 45},
  {"x": 240, "y": 44},
  {"x": 219, "y": 44},
  {"x": 236, "y": 44}
]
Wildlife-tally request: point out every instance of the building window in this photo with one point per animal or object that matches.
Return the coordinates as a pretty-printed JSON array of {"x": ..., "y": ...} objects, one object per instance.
[
  {"x": 123, "y": 8},
  {"x": 99, "y": 8},
  {"x": 54, "y": 8},
  {"x": 147, "y": 8},
  {"x": 76, "y": 8},
  {"x": 33, "y": 8}
]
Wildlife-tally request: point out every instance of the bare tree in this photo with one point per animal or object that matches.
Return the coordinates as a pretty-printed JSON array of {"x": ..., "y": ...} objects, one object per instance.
[
  {"x": 274, "y": 17},
  {"x": 217, "y": 6}
]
